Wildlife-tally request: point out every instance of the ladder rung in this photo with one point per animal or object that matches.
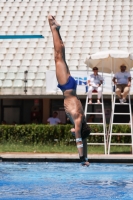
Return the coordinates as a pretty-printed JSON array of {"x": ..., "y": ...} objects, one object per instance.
[
  {"x": 121, "y": 123},
  {"x": 121, "y": 113},
  {"x": 94, "y": 113},
  {"x": 128, "y": 134},
  {"x": 121, "y": 104},
  {"x": 127, "y": 144},
  {"x": 95, "y": 144},
  {"x": 97, "y": 134},
  {"x": 95, "y": 123},
  {"x": 94, "y": 104}
]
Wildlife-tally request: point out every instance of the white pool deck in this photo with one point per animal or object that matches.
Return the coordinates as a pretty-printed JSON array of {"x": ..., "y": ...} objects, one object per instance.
[{"x": 60, "y": 157}]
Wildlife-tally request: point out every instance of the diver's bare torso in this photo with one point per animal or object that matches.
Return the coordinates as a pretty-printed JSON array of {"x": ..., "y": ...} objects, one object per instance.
[{"x": 72, "y": 105}]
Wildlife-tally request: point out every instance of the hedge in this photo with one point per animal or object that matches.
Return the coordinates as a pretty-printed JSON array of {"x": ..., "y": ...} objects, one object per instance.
[
  {"x": 35, "y": 134},
  {"x": 44, "y": 134}
]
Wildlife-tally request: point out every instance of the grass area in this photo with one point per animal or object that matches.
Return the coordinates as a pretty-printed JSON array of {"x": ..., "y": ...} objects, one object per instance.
[
  {"x": 37, "y": 148},
  {"x": 121, "y": 149},
  {"x": 7, "y": 147}
]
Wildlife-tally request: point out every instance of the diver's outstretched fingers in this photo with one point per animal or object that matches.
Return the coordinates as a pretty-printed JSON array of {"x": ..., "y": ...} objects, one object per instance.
[
  {"x": 84, "y": 161},
  {"x": 85, "y": 164}
]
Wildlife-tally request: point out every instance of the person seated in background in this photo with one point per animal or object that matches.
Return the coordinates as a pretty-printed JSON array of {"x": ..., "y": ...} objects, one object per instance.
[
  {"x": 54, "y": 120},
  {"x": 122, "y": 80},
  {"x": 94, "y": 82}
]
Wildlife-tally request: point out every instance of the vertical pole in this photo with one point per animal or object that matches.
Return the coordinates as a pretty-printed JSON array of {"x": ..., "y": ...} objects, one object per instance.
[
  {"x": 103, "y": 115},
  {"x": 110, "y": 124},
  {"x": 86, "y": 90},
  {"x": 131, "y": 120}
]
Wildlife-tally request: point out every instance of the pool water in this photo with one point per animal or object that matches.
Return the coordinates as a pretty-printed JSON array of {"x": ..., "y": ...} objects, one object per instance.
[{"x": 35, "y": 181}]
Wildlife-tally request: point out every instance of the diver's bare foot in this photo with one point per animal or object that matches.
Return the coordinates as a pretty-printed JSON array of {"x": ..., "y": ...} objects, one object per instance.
[
  {"x": 98, "y": 101},
  {"x": 53, "y": 23}
]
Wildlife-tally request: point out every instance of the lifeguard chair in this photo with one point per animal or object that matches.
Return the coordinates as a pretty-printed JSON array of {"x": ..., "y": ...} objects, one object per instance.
[
  {"x": 123, "y": 114},
  {"x": 100, "y": 112},
  {"x": 112, "y": 59}
]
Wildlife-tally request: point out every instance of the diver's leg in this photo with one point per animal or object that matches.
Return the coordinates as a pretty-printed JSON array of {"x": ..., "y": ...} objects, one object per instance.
[
  {"x": 85, "y": 147},
  {"x": 79, "y": 141},
  {"x": 84, "y": 143},
  {"x": 62, "y": 70}
]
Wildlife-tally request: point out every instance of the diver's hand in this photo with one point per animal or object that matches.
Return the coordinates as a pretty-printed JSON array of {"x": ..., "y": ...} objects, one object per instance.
[{"x": 85, "y": 163}]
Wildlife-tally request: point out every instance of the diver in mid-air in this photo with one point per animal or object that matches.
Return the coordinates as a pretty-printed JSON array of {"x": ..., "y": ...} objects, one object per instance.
[{"x": 67, "y": 84}]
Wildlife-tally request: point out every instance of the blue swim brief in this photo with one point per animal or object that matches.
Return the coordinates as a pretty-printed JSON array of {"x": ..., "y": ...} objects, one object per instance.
[{"x": 71, "y": 84}]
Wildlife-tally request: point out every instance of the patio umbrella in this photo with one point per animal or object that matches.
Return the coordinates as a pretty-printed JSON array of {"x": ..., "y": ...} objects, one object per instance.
[{"x": 110, "y": 61}]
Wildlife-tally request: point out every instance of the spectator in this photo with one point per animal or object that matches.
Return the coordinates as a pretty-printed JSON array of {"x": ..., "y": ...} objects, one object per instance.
[
  {"x": 122, "y": 80},
  {"x": 54, "y": 120},
  {"x": 94, "y": 82}
]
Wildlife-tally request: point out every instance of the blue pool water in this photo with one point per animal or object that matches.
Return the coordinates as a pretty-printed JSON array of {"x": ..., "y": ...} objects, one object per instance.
[{"x": 35, "y": 181}]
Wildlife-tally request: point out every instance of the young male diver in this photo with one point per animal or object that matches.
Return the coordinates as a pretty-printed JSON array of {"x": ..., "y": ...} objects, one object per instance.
[{"x": 67, "y": 84}]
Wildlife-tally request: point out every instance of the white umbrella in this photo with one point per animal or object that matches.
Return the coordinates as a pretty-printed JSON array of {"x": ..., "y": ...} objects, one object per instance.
[{"x": 110, "y": 61}]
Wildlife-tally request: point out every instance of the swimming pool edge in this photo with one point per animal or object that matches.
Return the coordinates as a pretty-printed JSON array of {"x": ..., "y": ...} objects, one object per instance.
[{"x": 40, "y": 157}]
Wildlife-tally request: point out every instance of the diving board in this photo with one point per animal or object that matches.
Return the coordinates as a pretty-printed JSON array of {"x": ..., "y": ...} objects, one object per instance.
[{"x": 21, "y": 36}]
